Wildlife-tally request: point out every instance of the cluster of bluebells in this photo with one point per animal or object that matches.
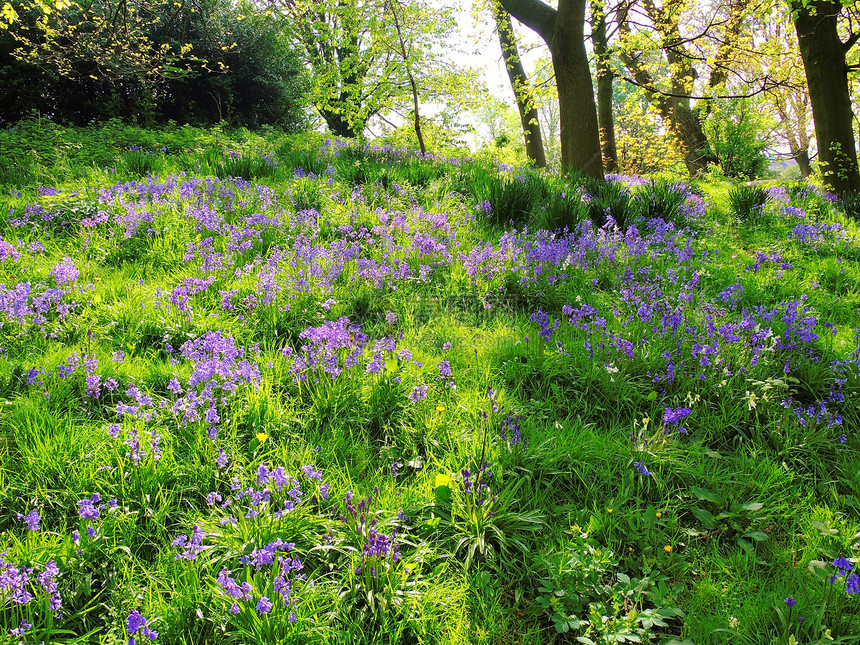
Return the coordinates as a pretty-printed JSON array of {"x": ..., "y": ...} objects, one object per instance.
[
  {"x": 19, "y": 584},
  {"x": 135, "y": 624},
  {"x": 90, "y": 509},
  {"x": 138, "y": 450},
  {"x": 273, "y": 494},
  {"x": 673, "y": 417},
  {"x": 846, "y": 575},
  {"x": 377, "y": 548},
  {"x": 477, "y": 489},
  {"x": 284, "y": 574}
]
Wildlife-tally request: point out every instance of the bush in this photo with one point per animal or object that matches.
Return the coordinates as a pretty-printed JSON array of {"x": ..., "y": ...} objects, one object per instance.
[
  {"x": 510, "y": 200},
  {"x": 662, "y": 199},
  {"x": 259, "y": 81},
  {"x": 746, "y": 202},
  {"x": 738, "y": 138},
  {"x": 608, "y": 199}
]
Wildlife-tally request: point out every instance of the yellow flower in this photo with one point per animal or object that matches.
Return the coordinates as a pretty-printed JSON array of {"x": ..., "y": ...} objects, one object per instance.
[
  {"x": 659, "y": 515},
  {"x": 609, "y": 510},
  {"x": 668, "y": 548},
  {"x": 440, "y": 408},
  {"x": 262, "y": 436}
]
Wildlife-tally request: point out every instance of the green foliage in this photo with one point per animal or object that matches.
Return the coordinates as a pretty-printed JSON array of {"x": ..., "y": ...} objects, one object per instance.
[
  {"x": 738, "y": 136},
  {"x": 662, "y": 198},
  {"x": 588, "y": 598},
  {"x": 608, "y": 199},
  {"x": 573, "y": 437},
  {"x": 563, "y": 208},
  {"x": 239, "y": 69},
  {"x": 510, "y": 199},
  {"x": 747, "y": 202}
]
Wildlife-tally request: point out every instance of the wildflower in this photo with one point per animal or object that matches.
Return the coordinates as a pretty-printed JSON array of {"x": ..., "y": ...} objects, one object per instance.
[
  {"x": 264, "y": 606},
  {"x": 852, "y": 584},
  {"x": 31, "y": 520},
  {"x": 659, "y": 515},
  {"x": 640, "y": 466},
  {"x": 135, "y": 623},
  {"x": 668, "y": 548},
  {"x": 843, "y": 564},
  {"x": 790, "y": 602},
  {"x": 23, "y": 629},
  {"x": 262, "y": 436},
  {"x": 444, "y": 368},
  {"x": 609, "y": 510}
]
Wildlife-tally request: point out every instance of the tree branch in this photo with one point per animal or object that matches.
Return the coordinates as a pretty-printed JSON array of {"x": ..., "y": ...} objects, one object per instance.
[{"x": 534, "y": 14}]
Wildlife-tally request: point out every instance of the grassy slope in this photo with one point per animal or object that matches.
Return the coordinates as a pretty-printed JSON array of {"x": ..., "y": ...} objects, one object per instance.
[{"x": 723, "y": 527}]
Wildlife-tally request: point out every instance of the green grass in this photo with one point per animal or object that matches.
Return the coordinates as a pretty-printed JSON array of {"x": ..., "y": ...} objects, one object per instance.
[{"x": 539, "y": 493}]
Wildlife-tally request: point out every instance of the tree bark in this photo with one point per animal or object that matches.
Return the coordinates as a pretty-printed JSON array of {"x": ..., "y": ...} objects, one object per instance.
[
  {"x": 563, "y": 30},
  {"x": 802, "y": 159},
  {"x": 520, "y": 84},
  {"x": 605, "y": 78},
  {"x": 823, "y": 55},
  {"x": 413, "y": 85},
  {"x": 674, "y": 107}
]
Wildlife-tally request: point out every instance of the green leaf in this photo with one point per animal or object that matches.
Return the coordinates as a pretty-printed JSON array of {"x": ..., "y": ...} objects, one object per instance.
[
  {"x": 706, "y": 495},
  {"x": 752, "y": 506},
  {"x": 442, "y": 489}
]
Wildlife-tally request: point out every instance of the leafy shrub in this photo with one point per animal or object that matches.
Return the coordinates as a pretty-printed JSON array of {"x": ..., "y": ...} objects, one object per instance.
[
  {"x": 508, "y": 200},
  {"x": 586, "y": 596},
  {"x": 608, "y": 199},
  {"x": 563, "y": 208},
  {"x": 662, "y": 199},
  {"x": 746, "y": 202}
]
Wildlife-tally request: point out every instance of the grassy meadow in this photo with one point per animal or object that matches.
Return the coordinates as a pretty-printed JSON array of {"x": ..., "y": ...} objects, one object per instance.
[{"x": 269, "y": 389}]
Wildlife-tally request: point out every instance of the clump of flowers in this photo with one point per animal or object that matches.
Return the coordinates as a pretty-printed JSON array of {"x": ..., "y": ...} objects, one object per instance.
[{"x": 137, "y": 623}]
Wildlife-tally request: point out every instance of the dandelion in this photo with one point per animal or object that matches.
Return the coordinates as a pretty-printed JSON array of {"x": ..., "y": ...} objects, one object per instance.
[{"x": 262, "y": 436}]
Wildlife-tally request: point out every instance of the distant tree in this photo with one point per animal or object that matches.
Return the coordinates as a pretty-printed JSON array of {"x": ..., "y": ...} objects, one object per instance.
[
  {"x": 739, "y": 137},
  {"x": 523, "y": 92},
  {"x": 605, "y": 78},
  {"x": 667, "y": 47},
  {"x": 366, "y": 56}
]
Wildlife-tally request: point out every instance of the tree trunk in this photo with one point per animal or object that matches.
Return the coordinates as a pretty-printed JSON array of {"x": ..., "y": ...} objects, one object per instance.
[
  {"x": 802, "y": 159},
  {"x": 687, "y": 127},
  {"x": 823, "y": 55},
  {"x": 339, "y": 126},
  {"x": 412, "y": 83},
  {"x": 563, "y": 30},
  {"x": 520, "y": 85},
  {"x": 604, "y": 87}
]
